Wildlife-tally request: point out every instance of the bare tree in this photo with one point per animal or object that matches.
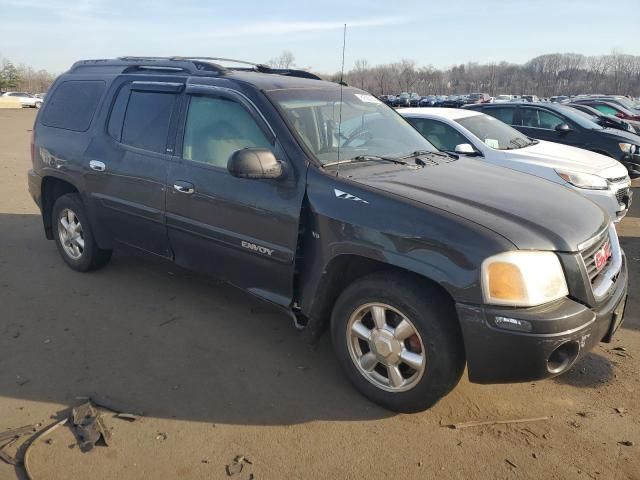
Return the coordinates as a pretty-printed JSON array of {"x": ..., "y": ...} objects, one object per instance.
[{"x": 284, "y": 60}]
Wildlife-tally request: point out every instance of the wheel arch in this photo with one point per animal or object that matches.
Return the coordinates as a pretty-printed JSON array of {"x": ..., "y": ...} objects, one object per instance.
[
  {"x": 344, "y": 269},
  {"x": 53, "y": 188}
]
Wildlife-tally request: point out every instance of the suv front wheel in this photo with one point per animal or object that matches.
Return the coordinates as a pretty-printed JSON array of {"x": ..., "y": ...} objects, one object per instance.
[
  {"x": 398, "y": 341},
  {"x": 73, "y": 235}
]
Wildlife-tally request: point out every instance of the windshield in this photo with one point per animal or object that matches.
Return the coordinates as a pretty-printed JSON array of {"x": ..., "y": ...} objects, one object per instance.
[
  {"x": 581, "y": 118},
  {"x": 493, "y": 133},
  {"x": 368, "y": 128}
]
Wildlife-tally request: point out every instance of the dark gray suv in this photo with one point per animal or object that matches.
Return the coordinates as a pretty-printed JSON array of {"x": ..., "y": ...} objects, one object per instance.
[{"x": 325, "y": 202}]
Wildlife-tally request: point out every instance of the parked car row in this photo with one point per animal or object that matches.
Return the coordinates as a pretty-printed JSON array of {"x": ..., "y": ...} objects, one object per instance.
[
  {"x": 414, "y": 100},
  {"x": 415, "y": 248},
  {"x": 561, "y": 123}
]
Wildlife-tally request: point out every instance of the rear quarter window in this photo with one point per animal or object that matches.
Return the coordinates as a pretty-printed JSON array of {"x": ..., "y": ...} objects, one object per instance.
[{"x": 73, "y": 104}]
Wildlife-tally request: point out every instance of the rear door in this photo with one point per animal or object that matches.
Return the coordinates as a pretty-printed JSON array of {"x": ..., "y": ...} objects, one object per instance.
[
  {"x": 242, "y": 230},
  {"x": 127, "y": 165}
]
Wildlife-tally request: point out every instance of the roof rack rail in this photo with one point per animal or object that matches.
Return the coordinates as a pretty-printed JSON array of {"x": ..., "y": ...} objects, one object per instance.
[{"x": 194, "y": 65}]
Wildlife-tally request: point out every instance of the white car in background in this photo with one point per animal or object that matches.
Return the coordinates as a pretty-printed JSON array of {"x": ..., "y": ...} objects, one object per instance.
[
  {"x": 26, "y": 99},
  {"x": 503, "y": 98},
  {"x": 466, "y": 132}
]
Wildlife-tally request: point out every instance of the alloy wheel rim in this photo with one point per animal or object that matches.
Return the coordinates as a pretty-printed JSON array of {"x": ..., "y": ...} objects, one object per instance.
[
  {"x": 386, "y": 347},
  {"x": 71, "y": 234}
]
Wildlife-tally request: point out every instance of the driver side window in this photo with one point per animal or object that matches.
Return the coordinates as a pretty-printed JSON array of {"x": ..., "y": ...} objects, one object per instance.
[
  {"x": 532, "y": 117},
  {"x": 217, "y": 127},
  {"x": 441, "y": 135}
]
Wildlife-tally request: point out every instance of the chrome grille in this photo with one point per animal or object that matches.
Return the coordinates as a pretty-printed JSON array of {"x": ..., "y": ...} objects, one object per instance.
[
  {"x": 622, "y": 194},
  {"x": 588, "y": 255}
]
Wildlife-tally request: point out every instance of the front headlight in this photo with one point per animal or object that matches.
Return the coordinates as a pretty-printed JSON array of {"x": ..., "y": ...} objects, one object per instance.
[
  {"x": 627, "y": 147},
  {"x": 523, "y": 279},
  {"x": 583, "y": 180}
]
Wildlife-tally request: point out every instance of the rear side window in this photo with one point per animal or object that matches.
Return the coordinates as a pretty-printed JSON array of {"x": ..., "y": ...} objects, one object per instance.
[
  {"x": 503, "y": 114},
  {"x": 73, "y": 104},
  {"x": 145, "y": 123},
  {"x": 532, "y": 117}
]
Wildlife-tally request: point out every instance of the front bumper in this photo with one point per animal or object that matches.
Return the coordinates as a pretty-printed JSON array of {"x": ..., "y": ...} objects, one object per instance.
[
  {"x": 632, "y": 162},
  {"x": 615, "y": 201},
  {"x": 497, "y": 355}
]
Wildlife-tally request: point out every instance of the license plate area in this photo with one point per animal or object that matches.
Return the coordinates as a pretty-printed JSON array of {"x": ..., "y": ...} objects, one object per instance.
[{"x": 616, "y": 320}]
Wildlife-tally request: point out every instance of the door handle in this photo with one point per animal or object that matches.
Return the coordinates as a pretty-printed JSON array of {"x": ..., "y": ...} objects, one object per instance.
[
  {"x": 184, "y": 187},
  {"x": 97, "y": 166}
]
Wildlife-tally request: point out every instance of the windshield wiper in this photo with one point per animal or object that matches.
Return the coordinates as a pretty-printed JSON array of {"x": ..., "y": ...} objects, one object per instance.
[
  {"x": 416, "y": 153},
  {"x": 366, "y": 158}
]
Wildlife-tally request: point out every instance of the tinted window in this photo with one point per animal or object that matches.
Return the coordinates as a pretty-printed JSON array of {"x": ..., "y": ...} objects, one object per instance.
[
  {"x": 146, "y": 121},
  {"x": 73, "y": 105},
  {"x": 217, "y": 127},
  {"x": 606, "y": 109},
  {"x": 441, "y": 135},
  {"x": 503, "y": 114},
  {"x": 534, "y": 118}
]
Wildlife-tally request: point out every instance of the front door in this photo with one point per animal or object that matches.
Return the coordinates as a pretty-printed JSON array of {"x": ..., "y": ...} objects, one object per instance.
[{"x": 243, "y": 230}]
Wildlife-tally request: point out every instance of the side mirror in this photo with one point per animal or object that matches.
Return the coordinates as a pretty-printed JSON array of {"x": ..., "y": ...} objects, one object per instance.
[
  {"x": 563, "y": 127},
  {"x": 465, "y": 149},
  {"x": 255, "y": 163}
]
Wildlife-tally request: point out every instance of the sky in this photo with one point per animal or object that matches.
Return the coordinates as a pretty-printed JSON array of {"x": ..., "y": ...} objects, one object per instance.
[{"x": 52, "y": 34}]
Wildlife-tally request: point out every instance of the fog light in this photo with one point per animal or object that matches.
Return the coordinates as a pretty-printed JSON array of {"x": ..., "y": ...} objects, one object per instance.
[{"x": 513, "y": 324}]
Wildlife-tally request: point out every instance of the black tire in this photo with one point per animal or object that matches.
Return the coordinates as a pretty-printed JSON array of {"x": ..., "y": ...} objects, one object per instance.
[
  {"x": 434, "y": 318},
  {"x": 91, "y": 257}
]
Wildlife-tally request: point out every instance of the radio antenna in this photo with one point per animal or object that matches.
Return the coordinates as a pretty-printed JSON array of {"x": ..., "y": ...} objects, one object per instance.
[{"x": 344, "y": 44}]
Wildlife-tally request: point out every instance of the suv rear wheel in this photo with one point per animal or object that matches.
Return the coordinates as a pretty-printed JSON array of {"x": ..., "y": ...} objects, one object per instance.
[
  {"x": 73, "y": 235},
  {"x": 398, "y": 341}
]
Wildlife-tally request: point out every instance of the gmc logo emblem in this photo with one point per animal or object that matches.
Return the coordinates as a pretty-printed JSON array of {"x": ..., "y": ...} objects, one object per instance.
[{"x": 601, "y": 256}]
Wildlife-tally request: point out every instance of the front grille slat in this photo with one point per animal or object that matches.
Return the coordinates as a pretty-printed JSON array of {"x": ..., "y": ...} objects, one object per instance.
[
  {"x": 622, "y": 193},
  {"x": 589, "y": 260}
]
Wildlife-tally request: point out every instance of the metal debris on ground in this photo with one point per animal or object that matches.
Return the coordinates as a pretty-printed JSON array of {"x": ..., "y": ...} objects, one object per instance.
[
  {"x": 620, "y": 410},
  {"x": 129, "y": 417},
  {"x": 511, "y": 463},
  {"x": 18, "y": 432},
  {"x": 4, "y": 456},
  {"x": 457, "y": 426},
  {"x": 32, "y": 441},
  {"x": 235, "y": 467},
  {"x": 89, "y": 426}
]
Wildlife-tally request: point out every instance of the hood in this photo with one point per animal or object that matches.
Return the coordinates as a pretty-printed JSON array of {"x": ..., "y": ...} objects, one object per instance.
[
  {"x": 559, "y": 156},
  {"x": 532, "y": 213},
  {"x": 622, "y": 135}
]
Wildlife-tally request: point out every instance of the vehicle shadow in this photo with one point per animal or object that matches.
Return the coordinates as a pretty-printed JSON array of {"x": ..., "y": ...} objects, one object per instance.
[
  {"x": 158, "y": 340},
  {"x": 591, "y": 371}
]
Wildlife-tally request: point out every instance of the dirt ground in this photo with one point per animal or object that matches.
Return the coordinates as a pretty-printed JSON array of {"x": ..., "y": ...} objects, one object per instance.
[{"x": 220, "y": 374}]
